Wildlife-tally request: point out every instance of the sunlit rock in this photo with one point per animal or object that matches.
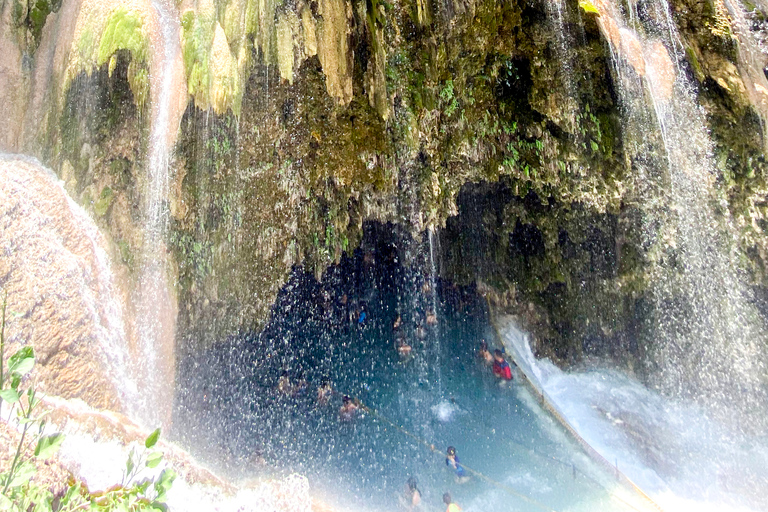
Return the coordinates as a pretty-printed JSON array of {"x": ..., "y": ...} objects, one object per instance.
[
  {"x": 333, "y": 47},
  {"x": 661, "y": 71},
  {"x": 62, "y": 298}
]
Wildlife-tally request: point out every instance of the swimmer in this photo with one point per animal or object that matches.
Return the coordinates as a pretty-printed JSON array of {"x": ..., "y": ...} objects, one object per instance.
[
  {"x": 452, "y": 507},
  {"x": 411, "y": 498},
  {"x": 398, "y": 323},
  {"x": 403, "y": 348},
  {"x": 301, "y": 387},
  {"x": 284, "y": 385},
  {"x": 501, "y": 367},
  {"x": 431, "y": 318},
  {"x": 452, "y": 461},
  {"x": 421, "y": 332},
  {"x": 484, "y": 354},
  {"x": 324, "y": 392},
  {"x": 348, "y": 409}
]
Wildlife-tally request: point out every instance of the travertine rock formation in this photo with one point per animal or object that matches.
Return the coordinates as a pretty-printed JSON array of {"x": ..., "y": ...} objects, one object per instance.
[{"x": 61, "y": 294}]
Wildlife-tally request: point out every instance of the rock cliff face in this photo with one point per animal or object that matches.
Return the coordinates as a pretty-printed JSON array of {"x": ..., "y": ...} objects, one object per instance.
[
  {"x": 62, "y": 296},
  {"x": 302, "y": 120}
]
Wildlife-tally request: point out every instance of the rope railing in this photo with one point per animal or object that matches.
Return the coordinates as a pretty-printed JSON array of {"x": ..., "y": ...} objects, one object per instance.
[
  {"x": 431, "y": 447},
  {"x": 505, "y": 487}
]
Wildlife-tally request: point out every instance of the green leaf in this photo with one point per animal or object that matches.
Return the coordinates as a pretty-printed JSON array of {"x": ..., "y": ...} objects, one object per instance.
[
  {"x": 5, "y": 502},
  {"x": 9, "y": 395},
  {"x": 22, "y": 474},
  {"x": 129, "y": 465},
  {"x": 68, "y": 498},
  {"x": 153, "y": 459},
  {"x": 165, "y": 481},
  {"x": 48, "y": 445},
  {"x": 152, "y": 439},
  {"x": 22, "y": 361}
]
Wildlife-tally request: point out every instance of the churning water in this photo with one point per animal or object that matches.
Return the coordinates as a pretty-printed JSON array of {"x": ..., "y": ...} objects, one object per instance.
[
  {"x": 708, "y": 339},
  {"x": 673, "y": 450}
]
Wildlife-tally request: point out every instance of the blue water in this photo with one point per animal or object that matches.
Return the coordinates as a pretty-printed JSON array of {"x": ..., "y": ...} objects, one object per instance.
[{"x": 441, "y": 396}]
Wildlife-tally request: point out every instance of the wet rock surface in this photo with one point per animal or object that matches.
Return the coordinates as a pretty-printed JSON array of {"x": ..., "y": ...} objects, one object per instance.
[{"x": 55, "y": 273}]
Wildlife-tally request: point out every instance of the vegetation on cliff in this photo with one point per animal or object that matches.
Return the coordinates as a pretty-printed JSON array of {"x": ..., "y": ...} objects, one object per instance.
[{"x": 307, "y": 119}]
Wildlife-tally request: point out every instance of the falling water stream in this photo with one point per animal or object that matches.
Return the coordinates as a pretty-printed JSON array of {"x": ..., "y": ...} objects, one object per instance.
[
  {"x": 156, "y": 315},
  {"x": 707, "y": 334}
]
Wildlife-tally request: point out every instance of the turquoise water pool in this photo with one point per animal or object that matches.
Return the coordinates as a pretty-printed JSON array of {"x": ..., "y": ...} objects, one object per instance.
[{"x": 518, "y": 457}]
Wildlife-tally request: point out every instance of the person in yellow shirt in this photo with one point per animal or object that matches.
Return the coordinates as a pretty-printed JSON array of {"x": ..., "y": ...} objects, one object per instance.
[{"x": 452, "y": 507}]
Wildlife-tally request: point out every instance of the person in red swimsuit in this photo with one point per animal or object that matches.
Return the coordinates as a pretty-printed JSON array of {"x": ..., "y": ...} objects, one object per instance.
[{"x": 501, "y": 367}]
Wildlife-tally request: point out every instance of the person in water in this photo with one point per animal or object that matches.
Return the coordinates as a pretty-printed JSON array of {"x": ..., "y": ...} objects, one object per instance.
[
  {"x": 348, "y": 409},
  {"x": 484, "y": 354},
  {"x": 301, "y": 387},
  {"x": 324, "y": 392},
  {"x": 411, "y": 499},
  {"x": 284, "y": 385},
  {"x": 403, "y": 348},
  {"x": 421, "y": 332},
  {"x": 452, "y": 507},
  {"x": 431, "y": 318},
  {"x": 501, "y": 367},
  {"x": 452, "y": 461}
]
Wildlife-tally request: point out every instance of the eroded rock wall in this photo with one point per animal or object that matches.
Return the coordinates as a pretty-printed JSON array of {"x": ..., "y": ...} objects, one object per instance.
[
  {"x": 62, "y": 296},
  {"x": 304, "y": 119}
]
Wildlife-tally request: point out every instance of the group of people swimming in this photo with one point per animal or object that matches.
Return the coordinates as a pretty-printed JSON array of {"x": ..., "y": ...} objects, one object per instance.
[
  {"x": 300, "y": 387},
  {"x": 411, "y": 500},
  {"x": 403, "y": 347},
  {"x": 412, "y": 497},
  {"x": 351, "y": 408}
]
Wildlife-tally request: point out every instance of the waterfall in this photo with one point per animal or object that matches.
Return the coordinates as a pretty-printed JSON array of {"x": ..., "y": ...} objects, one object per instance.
[
  {"x": 707, "y": 335},
  {"x": 752, "y": 34},
  {"x": 156, "y": 315},
  {"x": 434, "y": 307}
]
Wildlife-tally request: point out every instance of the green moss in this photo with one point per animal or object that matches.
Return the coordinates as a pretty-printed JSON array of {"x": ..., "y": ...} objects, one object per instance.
[
  {"x": 30, "y": 16},
  {"x": 197, "y": 38},
  {"x": 694, "y": 62},
  {"x": 124, "y": 31},
  {"x": 126, "y": 255},
  {"x": 101, "y": 206}
]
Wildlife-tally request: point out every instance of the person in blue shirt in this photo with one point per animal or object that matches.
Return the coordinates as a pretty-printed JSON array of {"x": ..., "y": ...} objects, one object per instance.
[{"x": 452, "y": 461}]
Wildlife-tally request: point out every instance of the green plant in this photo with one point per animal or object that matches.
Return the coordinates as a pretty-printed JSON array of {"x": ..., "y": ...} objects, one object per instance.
[{"x": 21, "y": 493}]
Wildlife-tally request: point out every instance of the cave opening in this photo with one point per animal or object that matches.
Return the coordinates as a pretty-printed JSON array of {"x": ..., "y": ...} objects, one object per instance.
[{"x": 251, "y": 405}]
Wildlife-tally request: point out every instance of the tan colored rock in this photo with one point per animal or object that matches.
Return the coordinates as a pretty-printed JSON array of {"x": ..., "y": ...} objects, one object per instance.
[
  {"x": 661, "y": 71},
  {"x": 287, "y": 34},
  {"x": 632, "y": 51},
  {"x": 224, "y": 72},
  {"x": 333, "y": 33},
  {"x": 61, "y": 297},
  {"x": 309, "y": 31},
  {"x": 12, "y": 85}
]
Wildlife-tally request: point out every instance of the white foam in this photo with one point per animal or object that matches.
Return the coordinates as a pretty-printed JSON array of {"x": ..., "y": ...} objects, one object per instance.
[
  {"x": 678, "y": 455},
  {"x": 445, "y": 410}
]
